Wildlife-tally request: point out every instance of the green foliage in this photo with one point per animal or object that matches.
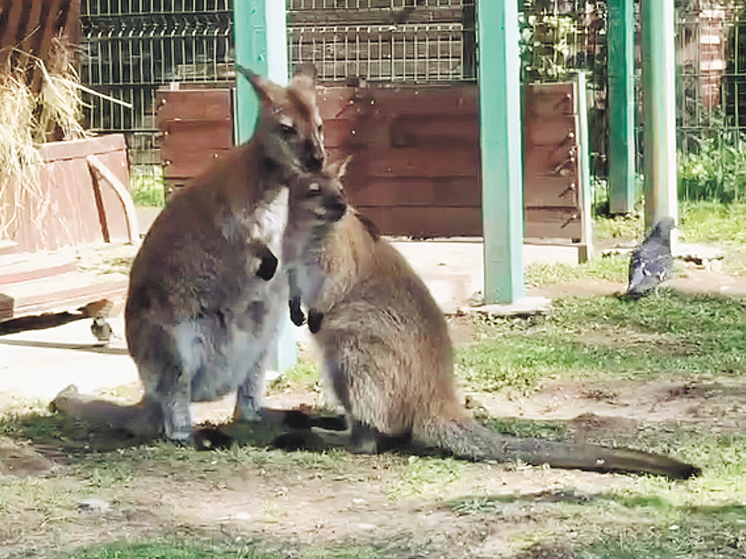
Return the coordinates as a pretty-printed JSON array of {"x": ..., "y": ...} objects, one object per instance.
[
  {"x": 716, "y": 172},
  {"x": 711, "y": 222},
  {"x": 612, "y": 268},
  {"x": 148, "y": 187},
  {"x": 670, "y": 332}
]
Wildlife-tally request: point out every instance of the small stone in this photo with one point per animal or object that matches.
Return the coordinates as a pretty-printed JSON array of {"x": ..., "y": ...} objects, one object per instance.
[{"x": 94, "y": 505}]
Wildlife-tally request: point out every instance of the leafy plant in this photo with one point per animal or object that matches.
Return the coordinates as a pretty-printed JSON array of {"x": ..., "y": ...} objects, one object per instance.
[{"x": 715, "y": 172}]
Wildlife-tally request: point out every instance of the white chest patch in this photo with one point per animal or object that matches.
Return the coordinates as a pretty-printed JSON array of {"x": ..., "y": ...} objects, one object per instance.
[{"x": 268, "y": 222}]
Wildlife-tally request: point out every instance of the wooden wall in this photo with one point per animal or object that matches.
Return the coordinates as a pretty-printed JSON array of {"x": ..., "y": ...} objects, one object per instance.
[
  {"x": 196, "y": 126},
  {"x": 415, "y": 166}
]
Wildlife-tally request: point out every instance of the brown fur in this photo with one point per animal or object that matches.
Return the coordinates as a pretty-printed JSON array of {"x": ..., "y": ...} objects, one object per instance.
[
  {"x": 386, "y": 355},
  {"x": 204, "y": 303}
]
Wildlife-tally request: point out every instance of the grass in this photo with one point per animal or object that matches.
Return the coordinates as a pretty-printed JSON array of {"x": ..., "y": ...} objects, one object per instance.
[
  {"x": 147, "y": 187},
  {"x": 606, "y": 336},
  {"x": 178, "y": 548},
  {"x": 699, "y": 222}
]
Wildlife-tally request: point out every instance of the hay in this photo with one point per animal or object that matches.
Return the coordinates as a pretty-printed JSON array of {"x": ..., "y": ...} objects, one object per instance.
[{"x": 29, "y": 120}]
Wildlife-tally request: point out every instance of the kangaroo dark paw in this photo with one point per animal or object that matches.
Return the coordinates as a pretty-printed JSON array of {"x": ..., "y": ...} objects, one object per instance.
[
  {"x": 292, "y": 441},
  {"x": 296, "y": 313},
  {"x": 268, "y": 267},
  {"x": 314, "y": 321},
  {"x": 211, "y": 438}
]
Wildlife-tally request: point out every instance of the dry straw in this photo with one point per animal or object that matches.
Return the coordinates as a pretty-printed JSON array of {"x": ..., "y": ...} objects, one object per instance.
[{"x": 28, "y": 120}]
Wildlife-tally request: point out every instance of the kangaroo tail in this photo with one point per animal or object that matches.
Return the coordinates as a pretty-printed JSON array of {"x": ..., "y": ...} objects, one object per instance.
[
  {"x": 470, "y": 440},
  {"x": 141, "y": 420}
]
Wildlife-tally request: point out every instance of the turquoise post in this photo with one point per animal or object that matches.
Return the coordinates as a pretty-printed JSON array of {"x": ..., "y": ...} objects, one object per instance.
[
  {"x": 261, "y": 45},
  {"x": 500, "y": 140},
  {"x": 659, "y": 109},
  {"x": 621, "y": 106}
]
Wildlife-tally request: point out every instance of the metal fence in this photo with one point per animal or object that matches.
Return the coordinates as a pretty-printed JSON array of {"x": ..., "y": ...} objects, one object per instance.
[
  {"x": 711, "y": 57},
  {"x": 560, "y": 36},
  {"x": 133, "y": 47},
  {"x": 385, "y": 41}
]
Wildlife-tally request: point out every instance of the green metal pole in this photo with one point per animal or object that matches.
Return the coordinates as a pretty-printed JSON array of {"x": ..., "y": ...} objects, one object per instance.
[
  {"x": 659, "y": 109},
  {"x": 500, "y": 140},
  {"x": 261, "y": 45},
  {"x": 621, "y": 106}
]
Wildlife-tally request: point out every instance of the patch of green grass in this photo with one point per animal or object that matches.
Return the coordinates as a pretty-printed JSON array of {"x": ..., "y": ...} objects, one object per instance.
[
  {"x": 710, "y": 222},
  {"x": 424, "y": 476},
  {"x": 611, "y": 268},
  {"x": 669, "y": 332},
  {"x": 147, "y": 187},
  {"x": 699, "y": 222},
  {"x": 190, "y": 548},
  {"x": 715, "y": 534},
  {"x": 626, "y": 227},
  {"x": 304, "y": 375}
]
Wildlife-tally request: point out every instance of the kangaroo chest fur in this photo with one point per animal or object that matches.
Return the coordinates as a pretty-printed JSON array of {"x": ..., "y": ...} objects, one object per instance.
[{"x": 223, "y": 344}]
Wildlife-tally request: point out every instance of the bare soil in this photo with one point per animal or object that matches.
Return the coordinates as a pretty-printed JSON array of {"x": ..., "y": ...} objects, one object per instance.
[{"x": 290, "y": 503}]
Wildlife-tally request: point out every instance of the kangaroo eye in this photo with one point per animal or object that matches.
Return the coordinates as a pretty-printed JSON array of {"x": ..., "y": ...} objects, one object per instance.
[
  {"x": 314, "y": 188},
  {"x": 288, "y": 130}
]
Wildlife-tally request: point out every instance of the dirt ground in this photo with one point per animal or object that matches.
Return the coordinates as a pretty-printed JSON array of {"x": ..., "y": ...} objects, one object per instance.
[{"x": 291, "y": 502}]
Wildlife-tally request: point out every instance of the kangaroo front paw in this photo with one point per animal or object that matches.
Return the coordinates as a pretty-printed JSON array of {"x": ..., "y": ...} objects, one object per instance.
[
  {"x": 314, "y": 320},
  {"x": 296, "y": 313},
  {"x": 268, "y": 267}
]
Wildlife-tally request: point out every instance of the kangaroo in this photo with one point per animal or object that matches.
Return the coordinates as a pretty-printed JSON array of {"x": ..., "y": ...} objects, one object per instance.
[
  {"x": 204, "y": 303},
  {"x": 386, "y": 355}
]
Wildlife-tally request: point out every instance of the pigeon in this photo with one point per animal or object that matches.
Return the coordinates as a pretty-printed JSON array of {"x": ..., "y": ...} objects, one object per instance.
[
  {"x": 651, "y": 262},
  {"x": 101, "y": 329}
]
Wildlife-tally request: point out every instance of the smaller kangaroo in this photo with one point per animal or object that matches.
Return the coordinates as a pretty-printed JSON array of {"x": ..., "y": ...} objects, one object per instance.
[{"x": 386, "y": 354}]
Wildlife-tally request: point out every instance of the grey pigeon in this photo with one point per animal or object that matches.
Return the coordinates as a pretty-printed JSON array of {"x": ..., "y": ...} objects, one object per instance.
[{"x": 651, "y": 262}]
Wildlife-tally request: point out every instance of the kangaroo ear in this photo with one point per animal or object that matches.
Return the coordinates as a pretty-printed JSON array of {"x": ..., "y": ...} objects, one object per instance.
[
  {"x": 339, "y": 168},
  {"x": 265, "y": 89}
]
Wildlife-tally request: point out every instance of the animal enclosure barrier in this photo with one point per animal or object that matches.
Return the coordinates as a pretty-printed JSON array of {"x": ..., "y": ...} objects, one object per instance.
[
  {"x": 386, "y": 41},
  {"x": 134, "y": 47}
]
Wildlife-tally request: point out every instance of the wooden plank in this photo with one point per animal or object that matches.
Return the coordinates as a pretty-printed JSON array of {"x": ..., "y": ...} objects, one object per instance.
[
  {"x": 193, "y": 163},
  {"x": 420, "y": 162},
  {"x": 338, "y": 133},
  {"x": 60, "y": 292},
  {"x": 543, "y": 191},
  {"x": 54, "y": 151},
  {"x": 555, "y": 130},
  {"x": 49, "y": 27},
  {"x": 426, "y": 221},
  {"x": 193, "y": 104},
  {"x": 12, "y": 19},
  {"x": 30, "y": 33},
  {"x": 20, "y": 267},
  {"x": 447, "y": 192},
  {"x": 550, "y": 161},
  {"x": 553, "y": 223},
  {"x": 194, "y": 138},
  {"x": 337, "y": 103},
  {"x": 550, "y": 99},
  {"x": 452, "y": 100}
]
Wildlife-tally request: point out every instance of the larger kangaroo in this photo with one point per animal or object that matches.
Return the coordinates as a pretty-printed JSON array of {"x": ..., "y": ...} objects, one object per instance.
[
  {"x": 387, "y": 357},
  {"x": 204, "y": 304}
]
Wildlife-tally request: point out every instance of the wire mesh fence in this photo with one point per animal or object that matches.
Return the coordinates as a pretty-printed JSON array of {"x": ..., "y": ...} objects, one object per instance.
[
  {"x": 133, "y": 47},
  {"x": 384, "y": 41}
]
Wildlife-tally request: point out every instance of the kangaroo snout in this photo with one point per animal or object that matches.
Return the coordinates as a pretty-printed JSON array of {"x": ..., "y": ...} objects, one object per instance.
[{"x": 315, "y": 156}]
